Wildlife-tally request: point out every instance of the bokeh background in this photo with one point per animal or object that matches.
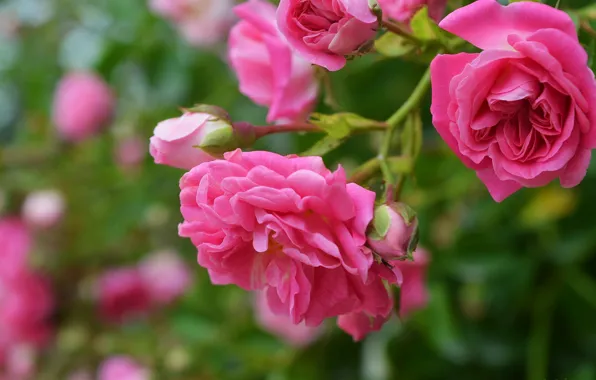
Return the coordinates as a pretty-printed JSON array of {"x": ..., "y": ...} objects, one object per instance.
[{"x": 512, "y": 285}]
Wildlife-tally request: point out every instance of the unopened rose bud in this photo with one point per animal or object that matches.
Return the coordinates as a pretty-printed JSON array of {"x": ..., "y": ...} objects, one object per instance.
[
  {"x": 197, "y": 136},
  {"x": 394, "y": 232}
]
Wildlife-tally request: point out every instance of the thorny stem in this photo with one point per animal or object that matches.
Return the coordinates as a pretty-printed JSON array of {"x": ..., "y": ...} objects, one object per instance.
[{"x": 394, "y": 121}]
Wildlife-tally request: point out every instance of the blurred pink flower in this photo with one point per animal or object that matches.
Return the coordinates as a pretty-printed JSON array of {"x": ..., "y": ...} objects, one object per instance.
[
  {"x": 287, "y": 226},
  {"x": 16, "y": 243},
  {"x": 280, "y": 325},
  {"x": 19, "y": 363},
  {"x": 123, "y": 294},
  {"x": 26, "y": 301},
  {"x": 522, "y": 112},
  {"x": 83, "y": 104},
  {"x": 270, "y": 73},
  {"x": 131, "y": 151},
  {"x": 404, "y": 10},
  {"x": 122, "y": 368},
  {"x": 175, "y": 141},
  {"x": 81, "y": 375},
  {"x": 166, "y": 276},
  {"x": 414, "y": 289},
  {"x": 43, "y": 209},
  {"x": 201, "y": 22},
  {"x": 325, "y": 31}
]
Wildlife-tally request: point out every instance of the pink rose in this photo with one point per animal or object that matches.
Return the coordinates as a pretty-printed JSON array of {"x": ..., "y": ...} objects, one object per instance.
[
  {"x": 404, "y": 10},
  {"x": 122, "y": 368},
  {"x": 395, "y": 233},
  {"x": 413, "y": 290},
  {"x": 175, "y": 141},
  {"x": 201, "y": 22},
  {"x": 287, "y": 226},
  {"x": 325, "y": 31},
  {"x": 296, "y": 335},
  {"x": 15, "y": 242},
  {"x": 44, "y": 208},
  {"x": 521, "y": 112},
  {"x": 166, "y": 276},
  {"x": 270, "y": 73},
  {"x": 123, "y": 294},
  {"x": 83, "y": 104}
]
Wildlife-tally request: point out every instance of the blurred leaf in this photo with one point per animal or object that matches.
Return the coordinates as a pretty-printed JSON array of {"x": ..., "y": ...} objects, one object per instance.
[
  {"x": 423, "y": 27},
  {"x": 195, "y": 329},
  {"x": 393, "y": 45},
  {"x": 550, "y": 204}
]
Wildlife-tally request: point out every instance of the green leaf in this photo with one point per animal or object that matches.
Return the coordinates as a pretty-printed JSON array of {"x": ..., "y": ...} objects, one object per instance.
[
  {"x": 400, "y": 164},
  {"x": 340, "y": 125},
  {"x": 392, "y": 45},
  {"x": 423, "y": 27},
  {"x": 323, "y": 146}
]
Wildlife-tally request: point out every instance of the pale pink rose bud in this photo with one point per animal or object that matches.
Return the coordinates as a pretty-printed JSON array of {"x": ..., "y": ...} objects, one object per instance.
[
  {"x": 43, "y": 209},
  {"x": 198, "y": 135},
  {"x": 83, "y": 104},
  {"x": 130, "y": 151},
  {"x": 404, "y": 10},
  {"x": 166, "y": 276},
  {"x": 123, "y": 294},
  {"x": 394, "y": 232},
  {"x": 122, "y": 368},
  {"x": 325, "y": 31},
  {"x": 286, "y": 82},
  {"x": 20, "y": 362},
  {"x": 298, "y": 335}
]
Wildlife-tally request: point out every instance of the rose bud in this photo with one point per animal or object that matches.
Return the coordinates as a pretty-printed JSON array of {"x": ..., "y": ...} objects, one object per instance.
[
  {"x": 194, "y": 138},
  {"x": 395, "y": 231}
]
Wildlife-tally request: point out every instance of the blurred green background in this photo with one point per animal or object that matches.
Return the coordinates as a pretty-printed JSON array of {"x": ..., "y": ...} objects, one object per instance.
[{"x": 513, "y": 285}]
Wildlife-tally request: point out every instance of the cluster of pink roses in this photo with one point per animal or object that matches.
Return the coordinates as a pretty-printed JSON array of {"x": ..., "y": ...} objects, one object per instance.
[
  {"x": 520, "y": 113},
  {"x": 26, "y": 302}
]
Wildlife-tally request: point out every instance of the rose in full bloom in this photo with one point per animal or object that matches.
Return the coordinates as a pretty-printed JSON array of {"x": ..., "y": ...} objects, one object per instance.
[
  {"x": 325, "y": 31},
  {"x": 166, "y": 276},
  {"x": 44, "y": 208},
  {"x": 123, "y": 294},
  {"x": 523, "y": 111},
  {"x": 201, "y": 22},
  {"x": 280, "y": 325},
  {"x": 175, "y": 141},
  {"x": 270, "y": 73},
  {"x": 122, "y": 368},
  {"x": 404, "y": 10},
  {"x": 414, "y": 289},
  {"x": 287, "y": 226},
  {"x": 83, "y": 104}
]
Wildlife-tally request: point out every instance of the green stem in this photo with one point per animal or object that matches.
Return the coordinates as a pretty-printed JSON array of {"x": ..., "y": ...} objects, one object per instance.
[
  {"x": 538, "y": 345},
  {"x": 394, "y": 121},
  {"x": 264, "y": 130},
  {"x": 583, "y": 285},
  {"x": 397, "y": 29},
  {"x": 365, "y": 171}
]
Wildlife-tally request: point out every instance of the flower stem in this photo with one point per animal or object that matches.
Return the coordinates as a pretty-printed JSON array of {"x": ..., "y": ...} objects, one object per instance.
[
  {"x": 394, "y": 121},
  {"x": 265, "y": 130},
  {"x": 365, "y": 171},
  {"x": 397, "y": 29}
]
